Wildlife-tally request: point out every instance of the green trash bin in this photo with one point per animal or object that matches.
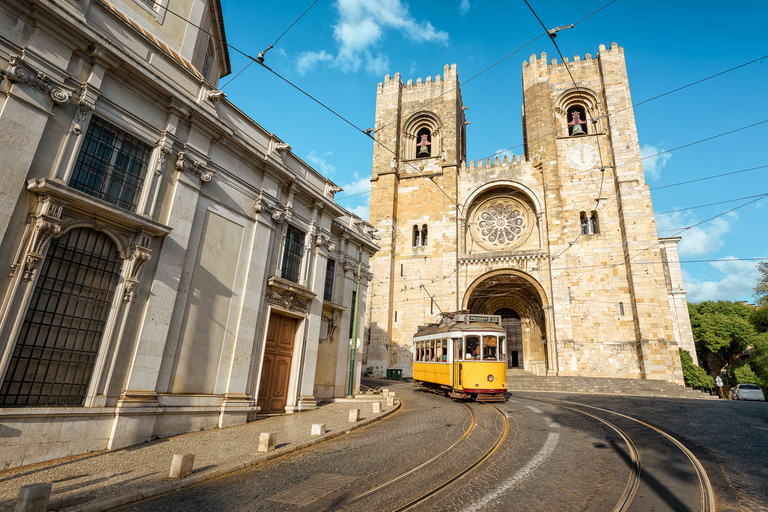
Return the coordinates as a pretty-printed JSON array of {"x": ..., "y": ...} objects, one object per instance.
[
  {"x": 398, "y": 373},
  {"x": 389, "y": 373}
]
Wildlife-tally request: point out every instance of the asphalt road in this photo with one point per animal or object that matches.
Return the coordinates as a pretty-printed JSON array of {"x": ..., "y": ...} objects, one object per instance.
[{"x": 554, "y": 456}]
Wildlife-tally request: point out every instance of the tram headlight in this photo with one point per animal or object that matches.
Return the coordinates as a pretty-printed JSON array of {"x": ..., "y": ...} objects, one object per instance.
[{"x": 490, "y": 378}]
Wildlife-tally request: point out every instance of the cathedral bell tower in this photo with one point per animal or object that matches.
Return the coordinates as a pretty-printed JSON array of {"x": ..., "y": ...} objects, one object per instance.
[{"x": 420, "y": 127}]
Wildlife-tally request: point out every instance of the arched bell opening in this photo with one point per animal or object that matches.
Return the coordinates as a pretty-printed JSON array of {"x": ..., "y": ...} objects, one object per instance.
[
  {"x": 424, "y": 143},
  {"x": 520, "y": 301}
]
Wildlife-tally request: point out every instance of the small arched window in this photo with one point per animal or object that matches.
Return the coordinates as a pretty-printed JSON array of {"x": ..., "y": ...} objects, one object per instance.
[
  {"x": 588, "y": 223},
  {"x": 424, "y": 235},
  {"x": 577, "y": 121},
  {"x": 423, "y": 143},
  {"x": 416, "y": 237}
]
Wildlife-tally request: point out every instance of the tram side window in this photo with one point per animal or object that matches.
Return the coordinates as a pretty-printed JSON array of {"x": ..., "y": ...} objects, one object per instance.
[
  {"x": 440, "y": 351},
  {"x": 473, "y": 347},
  {"x": 445, "y": 350},
  {"x": 502, "y": 345},
  {"x": 489, "y": 348},
  {"x": 458, "y": 354}
]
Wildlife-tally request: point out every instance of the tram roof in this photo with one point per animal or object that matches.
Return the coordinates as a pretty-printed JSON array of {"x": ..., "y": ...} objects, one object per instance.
[{"x": 426, "y": 330}]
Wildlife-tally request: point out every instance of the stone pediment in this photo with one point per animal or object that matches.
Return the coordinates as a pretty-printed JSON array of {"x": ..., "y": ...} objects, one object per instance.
[{"x": 289, "y": 295}]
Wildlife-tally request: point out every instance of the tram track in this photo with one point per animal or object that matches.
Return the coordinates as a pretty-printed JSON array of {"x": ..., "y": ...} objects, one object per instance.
[
  {"x": 442, "y": 456},
  {"x": 633, "y": 485}
]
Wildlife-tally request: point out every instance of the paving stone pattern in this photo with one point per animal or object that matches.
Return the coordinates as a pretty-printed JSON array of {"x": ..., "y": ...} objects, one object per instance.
[
  {"x": 80, "y": 483},
  {"x": 425, "y": 426}
]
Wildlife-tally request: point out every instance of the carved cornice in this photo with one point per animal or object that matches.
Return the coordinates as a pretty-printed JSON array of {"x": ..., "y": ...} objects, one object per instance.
[
  {"x": 288, "y": 300},
  {"x": 323, "y": 240},
  {"x": 139, "y": 257},
  {"x": 281, "y": 148},
  {"x": 277, "y": 212},
  {"x": 187, "y": 164},
  {"x": 216, "y": 95},
  {"x": 19, "y": 71},
  {"x": 371, "y": 232}
]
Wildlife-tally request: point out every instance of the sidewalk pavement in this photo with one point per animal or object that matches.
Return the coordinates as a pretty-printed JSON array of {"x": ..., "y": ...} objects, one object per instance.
[{"x": 108, "y": 479}]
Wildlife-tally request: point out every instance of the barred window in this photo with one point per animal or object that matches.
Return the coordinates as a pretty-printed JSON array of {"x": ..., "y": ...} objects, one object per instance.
[
  {"x": 111, "y": 165},
  {"x": 294, "y": 247},
  {"x": 330, "y": 268},
  {"x": 53, "y": 360}
]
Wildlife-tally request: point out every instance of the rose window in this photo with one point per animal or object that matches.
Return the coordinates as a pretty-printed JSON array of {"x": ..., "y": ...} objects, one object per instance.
[{"x": 501, "y": 223}]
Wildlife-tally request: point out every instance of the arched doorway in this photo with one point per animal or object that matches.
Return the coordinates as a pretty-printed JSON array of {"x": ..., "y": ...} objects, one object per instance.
[
  {"x": 520, "y": 301},
  {"x": 510, "y": 320}
]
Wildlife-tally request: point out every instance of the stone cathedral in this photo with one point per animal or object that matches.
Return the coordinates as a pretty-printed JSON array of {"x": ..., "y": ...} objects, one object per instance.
[{"x": 560, "y": 242}]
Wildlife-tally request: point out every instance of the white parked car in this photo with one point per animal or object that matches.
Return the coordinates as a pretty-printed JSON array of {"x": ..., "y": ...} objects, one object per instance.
[{"x": 746, "y": 392}]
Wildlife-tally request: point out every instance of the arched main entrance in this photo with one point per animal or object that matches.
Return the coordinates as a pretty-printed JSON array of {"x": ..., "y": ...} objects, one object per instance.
[{"x": 520, "y": 301}]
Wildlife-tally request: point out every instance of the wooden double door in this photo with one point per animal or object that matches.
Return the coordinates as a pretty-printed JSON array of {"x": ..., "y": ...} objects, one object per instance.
[{"x": 276, "y": 368}]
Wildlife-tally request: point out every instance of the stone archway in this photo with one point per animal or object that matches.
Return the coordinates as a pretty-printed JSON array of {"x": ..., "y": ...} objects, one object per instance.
[{"x": 514, "y": 294}]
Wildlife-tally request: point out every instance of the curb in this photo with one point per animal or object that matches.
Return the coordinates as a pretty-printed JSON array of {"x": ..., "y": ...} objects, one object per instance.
[{"x": 165, "y": 487}]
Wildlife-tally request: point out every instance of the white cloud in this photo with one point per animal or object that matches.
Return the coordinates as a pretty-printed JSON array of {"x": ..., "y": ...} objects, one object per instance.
[
  {"x": 464, "y": 7},
  {"x": 654, "y": 164},
  {"x": 737, "y": 281},
  {"x": 363, "y": 211},
  {"x": 358, "y": 186},
  {"x": 321, "y": 164},
  {"x": 359, "y": 29},
  {"x": 699, "y": 240},
  {"x": 308, "y": 60}
]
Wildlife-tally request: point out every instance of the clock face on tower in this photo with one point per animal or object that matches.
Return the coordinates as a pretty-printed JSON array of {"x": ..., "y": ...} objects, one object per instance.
[{"x": 582, "y": 156}]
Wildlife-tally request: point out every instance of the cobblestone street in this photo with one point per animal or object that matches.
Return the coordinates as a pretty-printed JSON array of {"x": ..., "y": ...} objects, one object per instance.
[{"x": 552, "y": 458}]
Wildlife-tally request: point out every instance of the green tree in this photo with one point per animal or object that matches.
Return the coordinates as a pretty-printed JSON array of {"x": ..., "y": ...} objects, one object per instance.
[
  {"x": 761, "y": 289},
  {"x": 759, "y": 319},
  {"x": 721, "y": 331},
  {"x": 694, "y": 376}
]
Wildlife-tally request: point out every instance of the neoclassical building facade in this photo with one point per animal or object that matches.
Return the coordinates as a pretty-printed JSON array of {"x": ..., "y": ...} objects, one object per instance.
[
  {"x": 170, "y": 264},
  {"x": 560, "y": 242}
]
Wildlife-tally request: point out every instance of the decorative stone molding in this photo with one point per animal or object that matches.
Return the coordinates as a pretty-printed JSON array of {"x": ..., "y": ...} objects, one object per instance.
[
  {"x": 164, "y": 152},
  {"x": 277, "y": 212},
  {"x": 186, "y": 164},
  {"x": 348, "y": 266},
  {"x": 333, "y": 190},
  {"x": 368, "y": 276},
  {"x": 46, "y": 223},
  {"x": 281, "y": 148},
  {"x": 216, "y": 95},
  {"x": 321, "y": 239},
  {"x": 19, "y": 71},
  {"x": 139, "y": 256},
  {"x": 329, "y": 326},
  {"x": 84, "y": 111},
  {"x": 288, "y": 300},
  {"x": 369, "y": 230}
]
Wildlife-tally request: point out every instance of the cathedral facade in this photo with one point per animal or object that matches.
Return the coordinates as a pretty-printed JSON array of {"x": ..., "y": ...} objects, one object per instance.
[{"x": 560, "y": 242}]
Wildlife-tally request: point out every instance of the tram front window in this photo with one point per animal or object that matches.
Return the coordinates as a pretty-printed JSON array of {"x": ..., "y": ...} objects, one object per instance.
[
  {"x": 489, "y": 348},
  {"x": 472, "y": 344}
]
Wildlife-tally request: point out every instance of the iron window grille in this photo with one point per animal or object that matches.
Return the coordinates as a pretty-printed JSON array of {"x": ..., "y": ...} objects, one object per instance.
[
  {"x": 330, "y": 268},
  {"x": 111, "y": 165},
  {"x": 294, "y": 247},
  {"x": 54, "y": 357}
]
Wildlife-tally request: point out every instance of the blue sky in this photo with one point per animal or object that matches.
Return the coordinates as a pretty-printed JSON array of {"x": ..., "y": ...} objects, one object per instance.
[{"x": 341, "y": 49}]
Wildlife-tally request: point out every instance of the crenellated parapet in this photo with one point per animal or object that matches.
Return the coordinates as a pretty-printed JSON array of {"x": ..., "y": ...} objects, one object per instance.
[{"x": 537, "y": 66}]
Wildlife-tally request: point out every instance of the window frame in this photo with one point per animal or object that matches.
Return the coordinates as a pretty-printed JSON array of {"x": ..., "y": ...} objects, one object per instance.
[
  {"x": 330, "y": 268},
  {"x": 293, "y": 254}
]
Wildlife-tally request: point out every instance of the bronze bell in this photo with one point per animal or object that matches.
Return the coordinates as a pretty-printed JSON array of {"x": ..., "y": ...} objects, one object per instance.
[
  {"x": 423, "y": 147},
  {"x": 577, "y": 130}
]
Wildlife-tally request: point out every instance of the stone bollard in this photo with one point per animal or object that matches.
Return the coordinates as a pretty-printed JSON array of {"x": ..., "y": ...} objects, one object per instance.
[
  {"x": 391, "y": 393},
  {"x": 318, "y": 429},
  {"x": 267, "y": 441},
  {"x": 385, "y": 392},
  {"x": 33, "y": 498},
  {"x": 354, "y": 415},
  {"x": 390, "y": 401},
  {"x": 376, "y": 407},
  {"x": 181, "y": 465}
]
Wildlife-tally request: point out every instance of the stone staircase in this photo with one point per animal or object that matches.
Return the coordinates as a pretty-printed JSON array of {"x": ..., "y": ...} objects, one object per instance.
[{"x": 520, "y": 380}]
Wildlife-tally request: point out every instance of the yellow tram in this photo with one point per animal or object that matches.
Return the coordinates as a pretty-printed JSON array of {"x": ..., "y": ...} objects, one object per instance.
[{"x": 463, "y": 356}]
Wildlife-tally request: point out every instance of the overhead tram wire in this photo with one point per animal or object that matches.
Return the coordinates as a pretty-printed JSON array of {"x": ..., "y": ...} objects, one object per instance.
[
  {"x": 681, "y": 230},
  {"x": 709, "y": 177},
  {"x": 711, "y": 204},
  {"x": 499, "y": 62},
  {"x": 552, "y": 33},
  {"x": 647, "y": 100}
]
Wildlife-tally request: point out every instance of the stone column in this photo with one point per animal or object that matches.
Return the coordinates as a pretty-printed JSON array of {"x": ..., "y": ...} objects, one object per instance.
[{"x": 24, "y": 114}]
